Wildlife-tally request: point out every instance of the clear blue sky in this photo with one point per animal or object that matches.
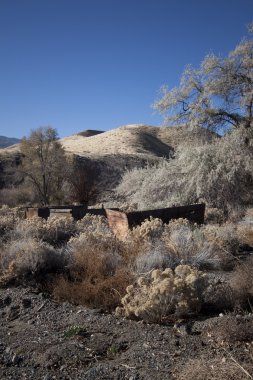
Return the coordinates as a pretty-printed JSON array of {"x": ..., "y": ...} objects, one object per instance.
[{"x": 98, "y": 64}]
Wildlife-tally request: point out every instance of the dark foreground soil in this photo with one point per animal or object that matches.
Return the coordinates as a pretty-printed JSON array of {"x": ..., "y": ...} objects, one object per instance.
[{"x": 44, "y": 339}]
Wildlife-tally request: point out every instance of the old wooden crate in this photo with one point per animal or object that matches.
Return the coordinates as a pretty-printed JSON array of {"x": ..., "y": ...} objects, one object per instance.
[{"x": 121, "y": 222}]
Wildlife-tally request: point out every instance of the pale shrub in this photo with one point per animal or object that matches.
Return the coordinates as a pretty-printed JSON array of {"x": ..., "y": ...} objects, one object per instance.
[
  {"x": 175, "y": 243},
  {"x": 153, "y": 256},
  {"x": 219, "y": 174},
  {"x": 161, "y": 294},
  {"x": 29, "y": 257},
  {"x": 213, "y": 215},
  {"x": 186, "y": 243},
  {"x": 148, "y": 187},
  {"x": 50, "y": 230},
  {"x": 8, "y": 218},
  {"x": 149, "y": 229},
  {"x": 93, "y": 229},
  {"x": 226, "y": 236}
]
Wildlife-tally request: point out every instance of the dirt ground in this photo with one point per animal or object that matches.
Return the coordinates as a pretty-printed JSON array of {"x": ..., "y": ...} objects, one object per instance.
[{"x": 43, "y": 339}]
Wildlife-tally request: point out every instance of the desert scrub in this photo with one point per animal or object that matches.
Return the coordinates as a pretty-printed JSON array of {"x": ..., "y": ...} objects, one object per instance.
[
  {"x": 8, "y": 219},
  {"x": 149, "y": 229},
  {"x": 92, "y": 229},
  {"x": 217, "y": 368},
  {"x": 181, "y": 242},
  {"x": 163, "y": 294},
  {"x": 74, "y": 331},
  {"x": 96, "y": 274},
  {"x": 28, "y": 258},
  {"x": 51, "y": 230},
  {"x": 242, "y": 283},
  {"x": 225, "y": 236}
]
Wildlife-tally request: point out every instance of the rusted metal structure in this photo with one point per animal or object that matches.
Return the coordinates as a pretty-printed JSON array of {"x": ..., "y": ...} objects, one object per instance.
[
  {"x": 76, "y": 212},
  {"x": 121, "y": 222}
]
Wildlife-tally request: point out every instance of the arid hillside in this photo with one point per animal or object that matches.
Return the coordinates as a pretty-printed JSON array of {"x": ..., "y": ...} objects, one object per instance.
[
  {"x": 7, "y": 141},
  {"x": 130, "y": 140},
  {"x": 134, "y": 139}
]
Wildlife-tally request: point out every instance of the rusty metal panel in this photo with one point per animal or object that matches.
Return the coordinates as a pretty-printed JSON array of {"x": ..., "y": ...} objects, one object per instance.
[
  {"x": 194, "y": 213},
  {"x": 31, "y": 212},
  {"x": 61, "y": 212},
  {"x": 121, "y": 222},
  {"x": 118, "y": 222}
]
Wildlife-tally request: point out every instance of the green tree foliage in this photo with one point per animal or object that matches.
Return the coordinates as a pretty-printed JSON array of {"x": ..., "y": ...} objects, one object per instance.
[
  {"x": 219, "y": 94},
  {"x": 44, "y": 164}
]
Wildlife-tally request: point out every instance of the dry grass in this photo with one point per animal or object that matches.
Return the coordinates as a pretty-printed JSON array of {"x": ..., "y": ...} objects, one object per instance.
[
  {"x": 246, "y": 235},
  {"x": 220, "y": 368},
  {"x": 96, "y": 279},
  {"x": 27, "y": 259},
  {"x": 52, "y": 230},
  {"x": 234, "y": 328},
  {"x": 242, "y": 283}
]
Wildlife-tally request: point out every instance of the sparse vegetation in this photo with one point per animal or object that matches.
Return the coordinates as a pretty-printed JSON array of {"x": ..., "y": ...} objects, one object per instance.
[
  {"x": 162, "y": 294},
  {"x": 161, "y": 273}
]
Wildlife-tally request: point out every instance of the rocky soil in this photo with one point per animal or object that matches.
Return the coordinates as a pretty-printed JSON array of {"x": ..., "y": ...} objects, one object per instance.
[{"x": 43, "y": 339}]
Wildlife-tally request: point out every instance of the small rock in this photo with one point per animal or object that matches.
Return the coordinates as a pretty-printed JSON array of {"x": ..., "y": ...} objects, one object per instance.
[
  {"x": 26, "y": 302},
  {"x": 16, "y": 359},
  {"x": 47, "y": 377},
  {"x": 8, "y": 350},
  {"x": 7, "y": 301},
  {"x": 13, "y": 313}
]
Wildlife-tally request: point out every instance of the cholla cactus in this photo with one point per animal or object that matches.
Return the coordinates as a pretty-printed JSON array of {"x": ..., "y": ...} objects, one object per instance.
[{"x": 164, "y": 293}]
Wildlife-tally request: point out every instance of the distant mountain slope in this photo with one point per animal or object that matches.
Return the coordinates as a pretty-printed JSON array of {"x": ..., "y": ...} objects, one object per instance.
[
  {"x": 7, "y": 141},
  {"x": 139, "y": 140},
  {"x": 89, "y": 133},
  {"x": 114, "y": 151},
  {"x": 135, "y": 139}
]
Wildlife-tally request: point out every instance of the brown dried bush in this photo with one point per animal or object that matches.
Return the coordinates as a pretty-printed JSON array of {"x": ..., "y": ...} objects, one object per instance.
[
  {"x": 233, "y": 328},
  {"x": 28, "y": 258},
  {"x": 218, "y": 297},
  {"x": 9, "y": 217},
  {"x": 52, "y": 230},
  {"x": 219, "y": 368},
  {"x": 213, "y": 216},
  {"x": 246, "y": 234},
  {"x": 242, "y": 283},
  {"x": 225, "y": 237},
  {"x": 96, "y": 278}
]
